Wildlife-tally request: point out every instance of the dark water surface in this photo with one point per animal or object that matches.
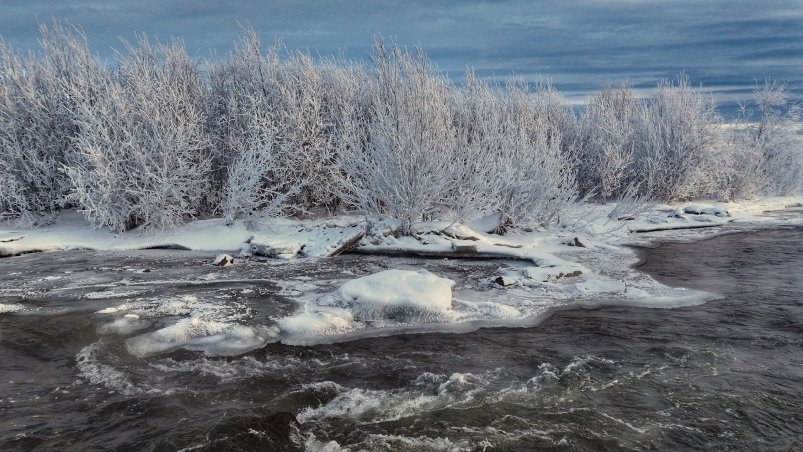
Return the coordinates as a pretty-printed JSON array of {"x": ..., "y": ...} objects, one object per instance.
[{"x": 724, "y": 375}]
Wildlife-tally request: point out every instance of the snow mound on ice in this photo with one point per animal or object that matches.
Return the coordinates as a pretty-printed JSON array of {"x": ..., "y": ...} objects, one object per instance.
[
  {"x": 322, "y": 321},
  {"x": 404, "y": 289},
  {"x": 211, "y": 337}
]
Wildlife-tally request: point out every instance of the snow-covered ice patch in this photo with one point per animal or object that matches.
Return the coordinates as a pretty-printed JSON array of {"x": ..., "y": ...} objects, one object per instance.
[
  {"x": 317, "y": 321},
  {"x": 210, "y": 337},
  {"x": 124, "y": 325},
  {"x": 394, "y": 290},
  {"x": 699, "y": 209}
]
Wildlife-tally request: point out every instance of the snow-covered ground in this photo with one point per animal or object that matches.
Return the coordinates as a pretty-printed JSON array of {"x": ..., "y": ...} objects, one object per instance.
[{"x": 584, "y": 261}]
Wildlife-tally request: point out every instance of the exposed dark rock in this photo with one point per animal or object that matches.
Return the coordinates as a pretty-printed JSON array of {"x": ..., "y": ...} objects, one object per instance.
[
  {"x": 568, "y": 275},
  {"x": 223, "y": 260},
  {"x": 504, "y": 281},
  {"x": 576, "y": 242}
]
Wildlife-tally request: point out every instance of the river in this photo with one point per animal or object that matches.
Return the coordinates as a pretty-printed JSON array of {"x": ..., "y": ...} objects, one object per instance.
[{"x": 727, "y": 374}]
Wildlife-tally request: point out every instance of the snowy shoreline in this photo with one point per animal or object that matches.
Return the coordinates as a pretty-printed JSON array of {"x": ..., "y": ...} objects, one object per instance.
[
  {"x": 590, "y": 260},
  {"x": 289, "y": 238}
]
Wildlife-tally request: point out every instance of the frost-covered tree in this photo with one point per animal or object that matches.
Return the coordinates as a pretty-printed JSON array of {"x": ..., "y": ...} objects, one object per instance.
[
  {"x": 675, "y": 136},
  {"x": 153, "y": 141},
  {"x": 775, "y": 137},
  {"x": 37, "y": 121},
  {"x": 303, "y": 100},
  {"x": 606, "y": 142},
  {"x": 764, "y": 157},
  {"x": 534, "y": 177},
  {"x": 478, "y": 125},
  {"x": 254, "y": 179},
  {"x": 142, "y": 155},
  {"x": 402, "y": 168}
]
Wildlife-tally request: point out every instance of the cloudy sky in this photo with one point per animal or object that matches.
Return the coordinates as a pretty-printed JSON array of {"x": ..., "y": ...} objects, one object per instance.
[{"x": 725, "y": 45}]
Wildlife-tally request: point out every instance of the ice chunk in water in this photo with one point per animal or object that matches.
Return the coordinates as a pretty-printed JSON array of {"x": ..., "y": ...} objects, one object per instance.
[
  {"x": 419, "y": 290},
  {"x": 211, "y": 337}
]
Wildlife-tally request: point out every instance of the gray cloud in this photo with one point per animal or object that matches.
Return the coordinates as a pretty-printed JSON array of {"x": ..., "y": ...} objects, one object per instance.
[{"x": 725, "y": 45}]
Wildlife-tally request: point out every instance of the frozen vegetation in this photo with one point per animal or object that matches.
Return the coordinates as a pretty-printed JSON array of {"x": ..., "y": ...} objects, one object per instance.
[{"x": 154, "y": 140}]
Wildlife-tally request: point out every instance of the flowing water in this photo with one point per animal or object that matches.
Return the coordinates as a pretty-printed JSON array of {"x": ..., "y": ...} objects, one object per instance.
[{"x": 727, "y": 374}]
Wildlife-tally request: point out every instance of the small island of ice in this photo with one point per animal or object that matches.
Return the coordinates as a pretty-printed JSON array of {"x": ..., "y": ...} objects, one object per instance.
[{"x": 400, "y": 289}]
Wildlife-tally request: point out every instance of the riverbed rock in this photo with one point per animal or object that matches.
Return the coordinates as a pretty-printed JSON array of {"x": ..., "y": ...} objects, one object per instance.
[
  {"x": 576, "y": 242},
  {"x": 223, "y": 260},
  {"x": 505, "y": 281}
]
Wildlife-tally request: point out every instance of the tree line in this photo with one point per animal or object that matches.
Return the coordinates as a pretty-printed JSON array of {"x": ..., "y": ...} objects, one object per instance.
[{"x": 153, "y": 140}]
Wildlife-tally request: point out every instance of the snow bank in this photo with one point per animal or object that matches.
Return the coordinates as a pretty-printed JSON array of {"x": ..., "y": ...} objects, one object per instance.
[
  {"x": 71, "y": 231},
  {"x": 289, "y": 239}
]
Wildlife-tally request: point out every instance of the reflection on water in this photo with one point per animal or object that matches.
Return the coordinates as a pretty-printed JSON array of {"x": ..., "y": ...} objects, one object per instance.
[{"x": 726, "y": 374}]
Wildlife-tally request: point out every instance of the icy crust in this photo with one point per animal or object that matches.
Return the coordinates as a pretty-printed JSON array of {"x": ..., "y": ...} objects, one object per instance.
[
  {"x": 211, "y": 327},
  {"x": 212, "y": 338},
  {"x": 580, "y": 262},
  {"x": 518, "y": 293},
  {"x": 282, "y": 238}
]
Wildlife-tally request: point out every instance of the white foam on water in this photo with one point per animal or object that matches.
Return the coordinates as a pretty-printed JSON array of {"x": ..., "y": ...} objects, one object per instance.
[
  {"x": 429, "y": 392},
  {"x": 8, "y": 308},
  {"x": 419, "y": 443},
  {"x": 104, "y": 294},
  {"x": 246, "y": 367},
  {"x": 93, "y": 370},
  {"x": 313, "y": 444}
]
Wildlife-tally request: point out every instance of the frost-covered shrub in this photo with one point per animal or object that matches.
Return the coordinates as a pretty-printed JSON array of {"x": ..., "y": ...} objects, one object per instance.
[
  {"x": 533, "y": 176},
  {"x": 402, "y": 167},
  {"x": 606, "y": 143},
  {"x": 774, "y": 137},
  {"x": 675, "y": 136},
  {"x": 142, "y": 156},
  {"x": 479, "y": 127},
  {"x": 254, "y": 179},
  {"x": 37, "y": 122},
  {"x": 304, "y": 102},
  {"x": 153, "y": 141}
]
